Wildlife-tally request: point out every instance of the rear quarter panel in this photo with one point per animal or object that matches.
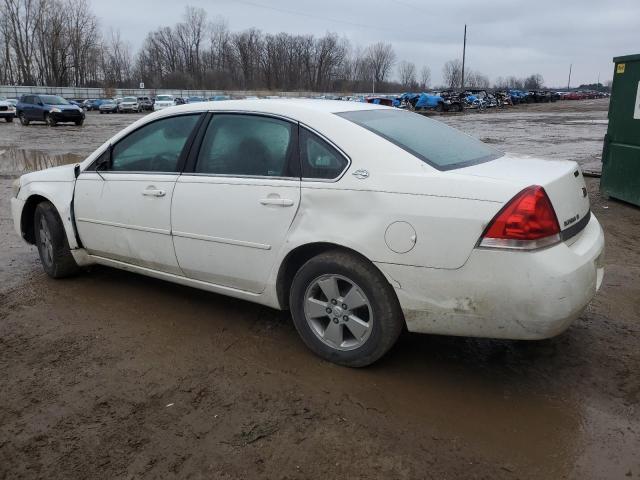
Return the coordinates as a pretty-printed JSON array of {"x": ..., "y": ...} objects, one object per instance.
[{"x": 446, "y": 228}]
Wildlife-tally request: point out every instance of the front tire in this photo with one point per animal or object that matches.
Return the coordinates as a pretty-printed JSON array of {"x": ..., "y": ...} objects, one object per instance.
[
  {"x": 23, "y": 119},
  {"x": 51, "y": 240},
  {"x": 344, "y": 309},
  {"x": 79, "y": 123},
  {"x": 50, "y": 121},
  {"x": 8, "y": 119}
]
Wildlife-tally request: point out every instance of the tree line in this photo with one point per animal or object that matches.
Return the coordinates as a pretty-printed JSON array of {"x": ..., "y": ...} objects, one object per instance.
[{"x": 60, "y": 43}]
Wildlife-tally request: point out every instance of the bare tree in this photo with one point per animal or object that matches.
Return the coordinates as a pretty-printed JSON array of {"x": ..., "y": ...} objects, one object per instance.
[
  {"x": 476, "y": 80},
  {"x": 381, "y": 58},
  {"x": 425, "y": 77},
  {"x": 534, "y": 82},
  {"x": 407, "y": 73},
  {"x": 452, "y": 73}
]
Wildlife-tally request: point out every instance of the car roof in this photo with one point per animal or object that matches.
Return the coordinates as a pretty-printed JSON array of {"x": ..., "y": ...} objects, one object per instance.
[{"x": 281, "y": 106}]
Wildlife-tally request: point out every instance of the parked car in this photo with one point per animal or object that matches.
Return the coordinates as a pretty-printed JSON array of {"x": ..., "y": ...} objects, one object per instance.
[
  {"x": 76, "y": 103},
  {"x": 94, "y": 104},
  {"x": 163, "y": 101},
  {"x": 79, "y": 102},
  {"x": 362, "y": 220},
  {"x": 108, "y": 106},
  {"x": 145, "y": 104},
  {"x": 129, "y": 104},
  {"x": 574, "y": 96},
  {"x": 180, "y": 101},
  {"x": 196, "y": 99},
  {"x": 380, "y": 101},
  {"x": 7, "y": 110},
  {"x": 50, "y": 109}
]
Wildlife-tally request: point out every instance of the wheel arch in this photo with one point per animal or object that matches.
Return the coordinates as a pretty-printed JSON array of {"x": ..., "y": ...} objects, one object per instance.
[
  {"x": 299, "y": 256},
  {"x": 27, "y": 216}
]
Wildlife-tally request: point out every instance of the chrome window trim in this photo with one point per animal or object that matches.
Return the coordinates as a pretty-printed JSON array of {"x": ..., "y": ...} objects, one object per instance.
[{"x": 227, "y": 175}]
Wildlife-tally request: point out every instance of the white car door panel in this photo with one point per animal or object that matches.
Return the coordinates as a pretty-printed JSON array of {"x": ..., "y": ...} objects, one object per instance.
[
  {"x": 231, "y": 215},
  {"x": 126, "y": 217},
  {"x": 123, "y": 210},
  {"x": 228, "y": 231}
]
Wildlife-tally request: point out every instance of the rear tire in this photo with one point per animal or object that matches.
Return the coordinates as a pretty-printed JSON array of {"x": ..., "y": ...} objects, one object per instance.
[
  {"x": 344, "y": 309},
  {"x": 51, "y": 240},
  {"x": 79, "y": 123}
]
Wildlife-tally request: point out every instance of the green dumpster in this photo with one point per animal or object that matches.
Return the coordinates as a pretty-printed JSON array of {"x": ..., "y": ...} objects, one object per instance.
[{"x": 621, "y": 150}]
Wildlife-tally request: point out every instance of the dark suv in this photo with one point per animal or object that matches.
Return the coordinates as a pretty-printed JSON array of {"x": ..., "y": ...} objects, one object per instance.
[
  {"x": 145, "y": 103},
  {"x": 50, "y": 109}
]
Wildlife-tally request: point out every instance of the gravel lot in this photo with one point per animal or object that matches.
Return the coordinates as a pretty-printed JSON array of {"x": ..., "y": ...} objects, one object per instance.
[{"x": 114, "y": 375}]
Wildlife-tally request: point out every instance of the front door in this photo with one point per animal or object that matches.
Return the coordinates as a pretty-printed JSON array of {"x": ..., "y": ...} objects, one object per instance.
[
  {"x": 123, "y": 209},
  {"x": 232, "y": 213}
]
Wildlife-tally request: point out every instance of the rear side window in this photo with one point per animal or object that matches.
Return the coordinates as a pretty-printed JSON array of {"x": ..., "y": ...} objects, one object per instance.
[
  {"x": 431, "y": 141},
  {"x": 155, "y": 147},
  {"x": 248, "y": 145},
  {"x": 318, "y": 158}
]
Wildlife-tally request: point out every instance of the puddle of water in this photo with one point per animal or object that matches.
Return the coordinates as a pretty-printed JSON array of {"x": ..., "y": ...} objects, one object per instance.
[{"x": 15, "y": 161}]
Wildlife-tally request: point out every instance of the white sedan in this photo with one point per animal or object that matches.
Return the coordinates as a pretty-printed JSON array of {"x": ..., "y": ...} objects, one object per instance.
[
  {"x": 360, "y": 219},
  {"x": 163, "y": 101}
]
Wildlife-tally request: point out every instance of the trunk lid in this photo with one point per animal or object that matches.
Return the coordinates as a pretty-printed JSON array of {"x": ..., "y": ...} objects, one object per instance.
[{"x": 561, "y": 179}]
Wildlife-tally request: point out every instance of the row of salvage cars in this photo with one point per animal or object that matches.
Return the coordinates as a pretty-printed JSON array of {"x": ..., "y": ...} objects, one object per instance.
[{"x": 475, "y": 99}]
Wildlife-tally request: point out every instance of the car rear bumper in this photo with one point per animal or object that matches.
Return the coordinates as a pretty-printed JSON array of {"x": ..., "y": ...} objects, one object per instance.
[{"x": 504, "y": 294}]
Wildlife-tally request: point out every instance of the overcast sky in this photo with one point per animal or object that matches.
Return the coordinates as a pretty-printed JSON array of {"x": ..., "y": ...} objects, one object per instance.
[{"x": 504, "y": 37}]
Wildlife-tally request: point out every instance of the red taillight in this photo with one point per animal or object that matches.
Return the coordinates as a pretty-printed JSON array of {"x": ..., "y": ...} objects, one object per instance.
[{"x": 527, "y": 222}]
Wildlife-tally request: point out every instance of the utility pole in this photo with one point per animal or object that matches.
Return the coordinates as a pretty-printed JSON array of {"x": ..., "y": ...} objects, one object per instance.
[
  {"x": 569, "y": 82},
  {"x": 464, "y": 53}
]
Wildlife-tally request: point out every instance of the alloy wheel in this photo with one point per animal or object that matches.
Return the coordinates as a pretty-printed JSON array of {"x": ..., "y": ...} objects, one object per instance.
[
  {"x": 45, "y": 241},
  {"x": 338, "y": 312}
]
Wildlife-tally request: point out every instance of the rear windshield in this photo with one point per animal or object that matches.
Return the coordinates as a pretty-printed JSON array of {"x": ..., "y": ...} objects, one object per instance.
[
  {"x": 164, "y": 98},
  {"x": 431, "y": 141}
]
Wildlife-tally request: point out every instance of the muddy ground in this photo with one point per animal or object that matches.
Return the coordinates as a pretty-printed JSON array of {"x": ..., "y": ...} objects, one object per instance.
[{"x": 114, "y": 375}]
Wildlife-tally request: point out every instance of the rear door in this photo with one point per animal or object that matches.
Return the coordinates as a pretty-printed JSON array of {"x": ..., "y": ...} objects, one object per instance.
[
  {"x": 123, "y": 210},
  {"x": 232, "y": 212}
]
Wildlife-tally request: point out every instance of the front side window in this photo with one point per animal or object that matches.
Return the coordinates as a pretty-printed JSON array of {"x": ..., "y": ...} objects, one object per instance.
[
  {"x": 431, "y": 141},
  {"x": 318, "y": 158},
  {"x": 156, "y": 147},
  {"x": 248, "y": 145}
]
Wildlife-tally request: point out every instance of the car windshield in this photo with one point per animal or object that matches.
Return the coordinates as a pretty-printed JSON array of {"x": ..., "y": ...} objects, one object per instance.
[
  {"x": 53, "y": 100},
  {"x": 431, "y": 141},
  {"x": 130, "y": 99},
  {"x": 164, "y": 98}
]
